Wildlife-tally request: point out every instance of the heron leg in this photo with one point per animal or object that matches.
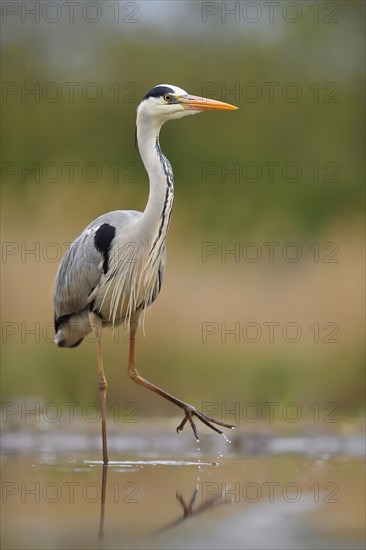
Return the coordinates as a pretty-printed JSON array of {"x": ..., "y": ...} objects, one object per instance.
[
  {"x": 96, "y": 325},
  {"x": 189, "y": 410}
]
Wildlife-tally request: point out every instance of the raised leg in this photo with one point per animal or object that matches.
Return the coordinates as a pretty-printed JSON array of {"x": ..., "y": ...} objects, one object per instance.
[
  {"x": 96, "y": 325},
  {"x": 189, "y": 410}
]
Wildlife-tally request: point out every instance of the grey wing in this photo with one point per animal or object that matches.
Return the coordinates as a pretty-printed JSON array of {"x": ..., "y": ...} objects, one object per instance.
[{"x": 86, "y": 261}]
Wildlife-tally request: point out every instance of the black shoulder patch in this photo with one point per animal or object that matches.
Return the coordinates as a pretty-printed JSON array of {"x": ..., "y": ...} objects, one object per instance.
[
  {"x": 103, "y": 239},
  {"x": 158, "y": 91}
]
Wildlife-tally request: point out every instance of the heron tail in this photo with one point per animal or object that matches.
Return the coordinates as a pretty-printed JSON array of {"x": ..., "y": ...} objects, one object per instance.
[{"x": 71, "y": 329}]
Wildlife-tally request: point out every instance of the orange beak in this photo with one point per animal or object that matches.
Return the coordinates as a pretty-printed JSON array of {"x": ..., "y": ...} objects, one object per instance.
[{"x": 196, "y": 103}]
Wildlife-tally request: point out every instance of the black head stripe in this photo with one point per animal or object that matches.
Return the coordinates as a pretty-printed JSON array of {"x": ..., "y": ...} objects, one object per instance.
[{"x": 158, "y": 91}]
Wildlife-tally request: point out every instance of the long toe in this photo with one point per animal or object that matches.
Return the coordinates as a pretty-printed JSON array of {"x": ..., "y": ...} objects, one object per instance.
[{"x": 207, "y": 420}]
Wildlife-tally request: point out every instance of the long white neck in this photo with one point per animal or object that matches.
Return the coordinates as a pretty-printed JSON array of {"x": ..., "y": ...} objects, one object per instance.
[{"x": 156, "y": 217}]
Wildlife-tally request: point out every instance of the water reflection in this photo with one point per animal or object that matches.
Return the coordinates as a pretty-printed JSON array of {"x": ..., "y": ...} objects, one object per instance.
[
  {"x": 189, "y": 512},
  {"x": 218, "y": 499},
  {"x": 102, "y": 500},
  {"x": 275, "y": 502}
]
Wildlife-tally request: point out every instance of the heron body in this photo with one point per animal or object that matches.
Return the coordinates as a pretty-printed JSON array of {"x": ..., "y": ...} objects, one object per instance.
[
  {"x": 117, "y": 280},
  {"x": 114, "y": 269}
]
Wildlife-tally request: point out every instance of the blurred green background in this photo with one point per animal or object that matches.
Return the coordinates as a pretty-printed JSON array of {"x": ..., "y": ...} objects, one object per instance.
[{"x": 298, "y": 81}]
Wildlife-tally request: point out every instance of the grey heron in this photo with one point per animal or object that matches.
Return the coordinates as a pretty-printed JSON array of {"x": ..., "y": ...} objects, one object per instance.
[{"x": 114, "y": 269}]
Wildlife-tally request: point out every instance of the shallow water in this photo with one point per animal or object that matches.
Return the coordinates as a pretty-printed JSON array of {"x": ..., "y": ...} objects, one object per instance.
[{"x": 272, "y": 497}]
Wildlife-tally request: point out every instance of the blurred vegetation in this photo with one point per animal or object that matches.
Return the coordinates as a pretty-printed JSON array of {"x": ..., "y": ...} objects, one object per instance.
[{"x": 322, "y": 133}]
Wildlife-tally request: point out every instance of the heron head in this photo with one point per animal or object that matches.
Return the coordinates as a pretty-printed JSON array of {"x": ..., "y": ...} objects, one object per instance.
[{"x": 165, "y": 102}]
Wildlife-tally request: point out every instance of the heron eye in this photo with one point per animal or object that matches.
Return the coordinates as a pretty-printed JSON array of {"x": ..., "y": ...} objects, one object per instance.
[{"x": 167, "y": 98}]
